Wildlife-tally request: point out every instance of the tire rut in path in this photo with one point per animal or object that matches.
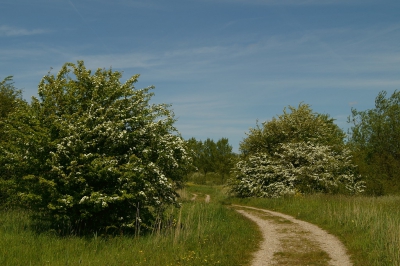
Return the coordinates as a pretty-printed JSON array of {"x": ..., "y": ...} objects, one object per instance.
[{"x": 283, "y": 234}]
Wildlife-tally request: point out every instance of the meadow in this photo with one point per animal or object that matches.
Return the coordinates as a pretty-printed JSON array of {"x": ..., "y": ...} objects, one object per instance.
[
  {"x": 212, "y": 233},
  {"x": 369, "y": 227},
  {"x": 199, "y": 234}
]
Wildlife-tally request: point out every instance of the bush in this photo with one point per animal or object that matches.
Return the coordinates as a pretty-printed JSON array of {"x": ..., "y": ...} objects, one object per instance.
[
  {"x": 100, "y": 156},
  {"x": 300, "y": 151},
  {"x": 296, "y": 168}
]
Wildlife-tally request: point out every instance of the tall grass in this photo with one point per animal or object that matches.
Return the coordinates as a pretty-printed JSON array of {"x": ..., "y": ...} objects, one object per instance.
[
  {"x": 199, "y": 234},
  {"x": 369, "y": 227}
]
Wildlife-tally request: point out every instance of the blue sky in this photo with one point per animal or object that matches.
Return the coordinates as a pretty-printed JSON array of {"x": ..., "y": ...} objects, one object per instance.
[{"x": 222, "y": 64}]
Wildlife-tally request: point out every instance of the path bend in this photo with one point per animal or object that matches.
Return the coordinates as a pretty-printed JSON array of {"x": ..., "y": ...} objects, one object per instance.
[{"x": 279, "y": 230}]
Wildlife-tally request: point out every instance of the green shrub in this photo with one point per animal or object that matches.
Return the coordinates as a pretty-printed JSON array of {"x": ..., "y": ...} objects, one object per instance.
[
  {"x": 296, "y": 168},
  {"x": 95, "y": 154},
  {"x": 300, "y": 151}
]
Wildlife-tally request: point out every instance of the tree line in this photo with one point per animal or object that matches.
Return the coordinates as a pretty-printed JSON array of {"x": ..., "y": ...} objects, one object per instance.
[{"x": 212, "y": 161}]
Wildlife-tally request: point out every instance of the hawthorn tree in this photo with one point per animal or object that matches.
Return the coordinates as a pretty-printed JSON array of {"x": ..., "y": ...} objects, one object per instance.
[
  {"x": 298, "y": 152},
  {"x": 100, "y": 155},
  {"x": 299, "y": 167}
]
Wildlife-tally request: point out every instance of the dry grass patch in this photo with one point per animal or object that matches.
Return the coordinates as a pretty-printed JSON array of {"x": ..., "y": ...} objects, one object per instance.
[{"x": 299, "y": 250}]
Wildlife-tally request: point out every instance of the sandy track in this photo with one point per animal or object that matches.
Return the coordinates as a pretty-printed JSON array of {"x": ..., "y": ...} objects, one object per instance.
[{"x": 284, "y": 234}]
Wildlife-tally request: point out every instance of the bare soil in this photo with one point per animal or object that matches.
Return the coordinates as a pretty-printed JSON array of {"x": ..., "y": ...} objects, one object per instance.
[{"x": 289, "y": 241}]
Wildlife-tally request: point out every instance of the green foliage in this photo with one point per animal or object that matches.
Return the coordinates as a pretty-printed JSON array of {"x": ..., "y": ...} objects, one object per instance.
[
  {"x": 375, "y": 141},
  {"x": 225, "y": 159},
  {"x": 295, "y": 168},
  {"x": 11, "y": 104},
  {"x": 9, "y": 97},
  {"x": 299, "y": 152},
  {"x": 94, "y": 153},
  {"x": 212, "y": 160},
  {"x": 298, "y": 125}
]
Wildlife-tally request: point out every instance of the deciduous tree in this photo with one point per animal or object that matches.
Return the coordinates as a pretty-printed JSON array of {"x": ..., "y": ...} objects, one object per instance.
[
  {"x": 212, "y": 157},
  {"x": 375, "y": 140},
  {"x": 11, "y": 105}
]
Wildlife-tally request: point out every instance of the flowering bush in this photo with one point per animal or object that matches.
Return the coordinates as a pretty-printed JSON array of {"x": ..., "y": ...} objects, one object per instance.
[
  {"x": 112, "y": 159},
  {"x": 298, "y": 152},
  {"x": 296, "y": 168}
]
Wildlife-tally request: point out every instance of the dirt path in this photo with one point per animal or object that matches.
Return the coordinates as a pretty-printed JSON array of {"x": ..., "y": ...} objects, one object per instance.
[{"x": 288, "y": 241}]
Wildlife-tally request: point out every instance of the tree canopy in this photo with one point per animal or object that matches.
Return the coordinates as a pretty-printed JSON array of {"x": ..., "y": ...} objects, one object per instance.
[
  {"x": 294, "y": 125},
  {"x": 9, "y": 97},
  {"x": 11, "y": 103}
]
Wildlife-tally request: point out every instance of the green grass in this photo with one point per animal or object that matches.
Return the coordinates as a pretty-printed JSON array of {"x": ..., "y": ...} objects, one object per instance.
[
  {"x": 212, "y": 234},
  {"x": 369, "y": 227},
  {"x": 203, "y": 234}
]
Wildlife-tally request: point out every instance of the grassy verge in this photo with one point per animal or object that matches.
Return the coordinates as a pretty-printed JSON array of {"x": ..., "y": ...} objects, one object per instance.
[
  {"x": 369, "y": 227},
  {"x": 202, "y": 234}
]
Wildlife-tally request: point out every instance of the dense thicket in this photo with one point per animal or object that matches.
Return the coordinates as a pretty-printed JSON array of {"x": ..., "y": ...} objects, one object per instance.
[
  {"x": 298, "y": 152},
  {"x": 375, "y": 141},
  {"x": 91, "y": 153}
]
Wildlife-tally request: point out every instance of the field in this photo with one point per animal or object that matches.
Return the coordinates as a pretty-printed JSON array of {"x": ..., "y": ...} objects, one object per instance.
[
  {"x": 212, "y": 233},
  {"x": 200, "y": 234}
]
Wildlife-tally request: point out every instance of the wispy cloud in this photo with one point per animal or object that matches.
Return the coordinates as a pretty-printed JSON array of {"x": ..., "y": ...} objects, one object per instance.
[
  {"x": 123, "y": 60},
  {"x": 294, "y": 2},
  {"x": 9, "y": 31}
]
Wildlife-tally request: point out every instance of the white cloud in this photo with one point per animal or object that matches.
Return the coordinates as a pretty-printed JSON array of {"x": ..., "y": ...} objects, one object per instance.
[{"x": 14, "y": 31}]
